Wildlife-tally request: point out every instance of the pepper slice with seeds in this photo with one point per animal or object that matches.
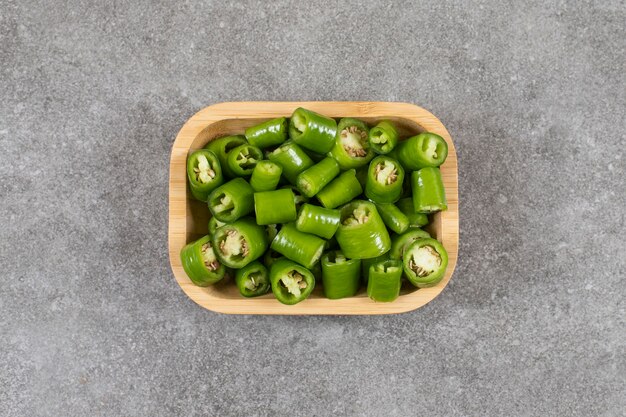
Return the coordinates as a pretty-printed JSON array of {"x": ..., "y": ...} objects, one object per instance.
[
  {"x": 291, "y": 282},
  {"x": 312, "y": 130},
  {"x": 204, "y": 174},
  {"x": 383, "y": 137},
  {"x": 243, "y": 159},
  {"x": 311, "y": 181},
  {"x": 341, "y": 277},
  {"x": 394, "y": 218},
  {"x": 232, "y": 200},
  {"x": 399, "y": 243},
  {"x": 304, "y": 248},
  {"x": 424, "y": 150},
  {"x": 351, "y": 148},
  {"x": 265, "y": 176},
  {"x": 270, "y": 133},
  {"x": 272, "y": 207},
  {"x": 340, "y": 190},
  {"x": 200, "y": 262},
  {"x": 239, "y": 243},
  {"x": 385, "y": 280},
  {"x": 292, "y": 159},
  {"x": 384, "y": 180},
  {"x": 362, "y": 233},
  {"x": 221, "y": 147},
  {"x": 253, "y": 280},
  {"x": 425, "y": 262}
]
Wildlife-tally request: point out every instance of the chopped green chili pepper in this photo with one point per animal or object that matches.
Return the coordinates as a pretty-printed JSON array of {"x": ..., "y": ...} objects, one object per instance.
[
  {"x": 366, "y": 263},
  {"x": 415, "y": 219},
  {"x": 311, "y": 181},
  {"x": 243, "y": 159},
  {"x": 292, "y": 159},
  {"x": 270, "y": 133},
  {"x": 393, "y": 217},
  {"x": 239, "y": 243},
  {"x": 214, "y": 224},
  {"x": 340, "y": 190},
  {"x": 399, "y": 243},
  {"x": 424, "y": 150},
  {"x": 232, "y": 200},
  {"x": 341, "y": 277},
  {"x": 318, "y": 220},
  {"x": 265, "y": 176},
  {"x": 425, "y": 262},
  {"x": 253, "y": 280},
  {"x": 291, "y": 282},
  {"x": 204, "y": 173},
  {"x": 221, "y": 147},
  {"x": 384, "y": 180},
  {"x": 383, "y": 137},
  {"x": 312, "y": 130},
  {"x": 200, "y": 263},
  {"x": 429, "y": 194},
  {"x": 304, "y": 248},
  {"x": 385, "y": 280},
  {"x": 362, "y": 233},
  {"x": 278, "y": 206},
  {"x": 351, "y": 148}
]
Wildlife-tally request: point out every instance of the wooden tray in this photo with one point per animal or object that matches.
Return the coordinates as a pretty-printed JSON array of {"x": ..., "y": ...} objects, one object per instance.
[{"x": 188, "y": 218}]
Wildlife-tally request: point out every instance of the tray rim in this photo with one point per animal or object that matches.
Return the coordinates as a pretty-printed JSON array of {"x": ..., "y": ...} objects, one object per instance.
[{"x": 317, "y": 306}]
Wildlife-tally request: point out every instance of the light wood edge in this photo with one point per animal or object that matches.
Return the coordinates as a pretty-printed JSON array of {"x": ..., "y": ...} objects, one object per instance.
[{"x": 348, "y": 306}]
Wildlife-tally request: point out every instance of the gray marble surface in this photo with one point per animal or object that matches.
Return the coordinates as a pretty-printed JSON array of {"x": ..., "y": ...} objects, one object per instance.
[{"x": 92, "y": 322}]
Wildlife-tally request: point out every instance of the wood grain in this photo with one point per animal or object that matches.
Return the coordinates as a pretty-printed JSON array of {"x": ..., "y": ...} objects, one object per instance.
[{"x": 188, "y": 218}]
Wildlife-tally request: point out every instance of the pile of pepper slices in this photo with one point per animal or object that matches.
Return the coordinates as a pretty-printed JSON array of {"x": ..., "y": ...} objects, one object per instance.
[{"x": 372, "y": 196}]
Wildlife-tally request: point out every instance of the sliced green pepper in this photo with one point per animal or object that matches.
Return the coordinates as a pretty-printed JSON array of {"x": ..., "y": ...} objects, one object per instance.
[
  {"x": 385, "y": 280},
  {"x": 253, "y": 280},
  {"x": 221, "y": 147},
  {"x": 399, "y": 243},
  {"x": 318, "y": 220},
  {"x": 393, "y": 217},
  {"x": 204, "y": 173},
  {"x": 265, "y": 176},
  {"x": 214, "y": 224},
  {"x": 270, "y": 133},
  {"x": 292, "y": 158},
  {"x": 425, "y": 262},
  {"x": 424, "y": 150},
  {"x": 362, "y": 233},
  {"x": 429, "y": 194},
  {"x": 351, "y": 148},
  {"x": 232, "y": 200},
  {"x": 341, "y": 277},
  {"x": 291, "y": 282},
  {"x": 200, "y": 262},
  {"x": 340, "y": 190},
  {"x": 383, "y": 137},
  {"x": 366, "y": 263},
  {"x": 311, "y": 181},
  {"x": 239, "y": 243},
  {"x": 304, "y": 248},
  {"x": 312, "y": 130},
  {"x": 384, "y": 180},
  {"x": 278, "y": 206},
  {"x": 415, "y": 219},
  {"x": 243, "y": 159}
]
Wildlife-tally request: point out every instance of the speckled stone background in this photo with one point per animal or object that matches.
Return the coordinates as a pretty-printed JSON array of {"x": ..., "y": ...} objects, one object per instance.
[{"x": 93, "y": 93}]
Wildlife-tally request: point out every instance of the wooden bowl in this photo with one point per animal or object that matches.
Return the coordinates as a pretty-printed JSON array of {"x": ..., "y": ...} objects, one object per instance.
[{"x": 188, "y": 218}]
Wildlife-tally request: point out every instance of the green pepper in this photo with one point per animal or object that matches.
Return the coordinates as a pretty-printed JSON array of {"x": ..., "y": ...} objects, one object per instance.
[
  {"x": 366, "y": 263},
  {"x": 384, "y": 180},
  {"x": 214, "y": 224},
  {"x": 425, "y": 262},
  {"x": 232, "y": 200},
  {"x": 292, "y": 159},
  {"x": 221, "y": 147},
  {"x": 270, "y": 133},
  {"x": 200, "y": 262},
  {"x": 242, "y": 159},
  {"x": 415, "y": 219},
  {"x": 304, "y": 248},
  {"x": 291, "y": 282},
  {"x": 298, "y": 197},
  {"x": 253, "y": 280},
  {"x": 424, "y": 150},
  {"x": 341, "y": 277},
  {"x": 204, "y": 173},
  {"x": 341, "y": 190},
  {"x": 318, "y": 220},
  {"x": 383, "y": 137},
  {"x": 399, "y": 243},
  {"x": 265, "y": 176},
  {"x": 429, "y": 194},
  {"x": 239, "y": 243},
  {"x": 312, "y": 130},
  {"x": 351, "y": 148},
  {"x": 278, "y": 206},
  {"x": 311, "y": 181},
  {"x": 393, "y": 217},
  {"x": 385, "y": 280},
  {"x": 362, "y": 233}
]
